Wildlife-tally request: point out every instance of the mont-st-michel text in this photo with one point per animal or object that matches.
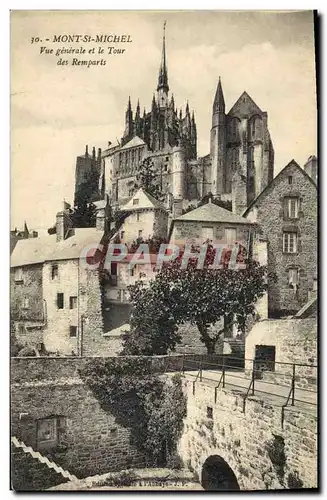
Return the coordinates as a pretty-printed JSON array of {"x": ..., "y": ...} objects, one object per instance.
[{"x": 93, "y": 53}]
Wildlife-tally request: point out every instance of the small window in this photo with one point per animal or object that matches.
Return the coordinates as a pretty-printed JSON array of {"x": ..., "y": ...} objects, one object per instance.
[
  {"x": 140, "y": 233},
  {"x": 47, "y": 430},
  {"x": 290, "y": 242},
  {"x": 21, "y": 329},
  {"x": 209, "y": 412},
  {"x": 166, "y": 168},
  {"x": 136, "y": 201},
  {"x": 290, "y": 179},
  {"x": 292, "y": 208},
  {"x": 167, "y": 158},
  {"x": 122, "y": 234},
  {"x": 26, "y": 303},
  {"x": 315, "y": 287},
  {"x": 131, "y": 271},
  {"x": 19, "y": 275},
  {"x": 293, "y": 278},
  {"x": 207, "y": 233},
  {"x": 72, "y": 302},
  {"x": 230, "y": 235},
  {"x": 60, "y": 300},
  {"x": 137, "y": 216},
  {"x": 54, "y": 271},
  {"x": 73, "y": 331}
]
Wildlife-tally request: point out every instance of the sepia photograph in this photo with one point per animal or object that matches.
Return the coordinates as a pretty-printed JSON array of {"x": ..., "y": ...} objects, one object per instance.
[{"x": 163, "y": 250}]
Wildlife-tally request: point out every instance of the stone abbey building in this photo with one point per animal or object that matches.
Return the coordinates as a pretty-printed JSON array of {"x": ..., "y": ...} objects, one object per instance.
[{"x": 241, "y": 152}]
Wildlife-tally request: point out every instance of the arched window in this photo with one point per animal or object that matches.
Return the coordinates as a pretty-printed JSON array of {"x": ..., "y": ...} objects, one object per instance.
[{"x": 255, "y": 128}]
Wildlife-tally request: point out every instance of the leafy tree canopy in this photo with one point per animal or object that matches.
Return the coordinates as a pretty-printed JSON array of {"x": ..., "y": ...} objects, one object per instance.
[
  {"x": 201, "y": 297},
  {"x": 141, "y": 401}
]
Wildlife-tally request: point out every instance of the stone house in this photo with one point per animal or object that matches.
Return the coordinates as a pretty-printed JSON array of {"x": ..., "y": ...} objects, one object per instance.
[
  {"x": 147, "y": 220},
  {"x": 211, "y": 223},
  {"x": 286, "y": 214},
  {"x": 56, "y": 301}
]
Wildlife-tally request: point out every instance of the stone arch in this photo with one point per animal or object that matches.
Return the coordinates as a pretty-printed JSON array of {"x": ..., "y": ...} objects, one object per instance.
[
  {"x": 234, "y": 125},
  {"x": 217, "y": 475},
  {"x": 255, "y": 128}
]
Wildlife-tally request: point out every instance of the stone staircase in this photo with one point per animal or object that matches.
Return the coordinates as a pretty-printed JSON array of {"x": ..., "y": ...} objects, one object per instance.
[{"x": 31, "y": 471}]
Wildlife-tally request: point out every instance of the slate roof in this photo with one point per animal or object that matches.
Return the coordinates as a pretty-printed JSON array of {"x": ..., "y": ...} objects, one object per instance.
[
  {"x": 136, "y": 141},
  {"x": 272, "y": 183},
  {"x": 212, "y": 213},
  {"x": 146, "y": 200},
  {"x": 46, "y": 248}
]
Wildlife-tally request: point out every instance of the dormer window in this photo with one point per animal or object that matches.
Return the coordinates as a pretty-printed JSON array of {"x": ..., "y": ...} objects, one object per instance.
[{"x": 136, "y": 201}]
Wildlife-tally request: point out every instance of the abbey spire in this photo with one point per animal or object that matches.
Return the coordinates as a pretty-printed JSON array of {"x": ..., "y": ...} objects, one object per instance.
[
  {"x": 219, "y": 101},
  {"x": 163, "y": 87}
]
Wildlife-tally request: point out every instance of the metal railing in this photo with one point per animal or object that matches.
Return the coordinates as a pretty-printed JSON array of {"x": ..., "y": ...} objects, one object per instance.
[{"x": 279, "y": 380}]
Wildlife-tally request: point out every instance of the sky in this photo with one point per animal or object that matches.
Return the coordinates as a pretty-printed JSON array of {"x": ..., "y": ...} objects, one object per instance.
[{"x": 57, "y": 110}]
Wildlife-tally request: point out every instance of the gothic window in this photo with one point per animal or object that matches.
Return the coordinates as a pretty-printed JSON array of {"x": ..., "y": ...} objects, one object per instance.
[{"x": 255, "y": 128}]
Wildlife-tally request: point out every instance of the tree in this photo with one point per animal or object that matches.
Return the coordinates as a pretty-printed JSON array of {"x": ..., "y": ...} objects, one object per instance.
[
  {"x": 146, "y": 179},
  {"x": 201, "y": 297},
  {"x": 131, "y": 390}
]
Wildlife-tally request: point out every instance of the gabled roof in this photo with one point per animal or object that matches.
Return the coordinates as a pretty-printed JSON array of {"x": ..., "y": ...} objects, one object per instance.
[
  {"x": 145, "y": 200},
  {"x": 291, "y": 164},
  {"x": 136, "y": 141},
  {"x": 212, "y": 213},
  {"x": 46, "y": 248},
  {"x": 244, "y": 101}
]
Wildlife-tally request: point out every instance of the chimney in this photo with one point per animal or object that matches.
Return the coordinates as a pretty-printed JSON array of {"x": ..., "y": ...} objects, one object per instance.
[
  {"x": 86, "y": 151},
  {"x": 63, "y": 225},
  {"x": 93, "y": 153},
  {"x": 99, "y": 154}
]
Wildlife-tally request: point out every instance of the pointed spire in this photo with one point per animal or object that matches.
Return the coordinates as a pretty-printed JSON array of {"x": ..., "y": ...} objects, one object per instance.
[
  {"x": 187, "y": 110},
  {"x": 144, "y": 113},
  {"x": 163, "y": 74},
  {"x": 172, "y": 102},
  {"x": 180, "y": 114},
  {"x": 129, "y": 105},
  {"x": 25, "y": 227},
  {"x": 219, "y": 102},
  {"x": 137, "y": 113}
]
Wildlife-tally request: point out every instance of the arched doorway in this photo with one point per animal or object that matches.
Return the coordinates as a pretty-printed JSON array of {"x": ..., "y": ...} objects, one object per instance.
[{"x": 217, "y": 475}]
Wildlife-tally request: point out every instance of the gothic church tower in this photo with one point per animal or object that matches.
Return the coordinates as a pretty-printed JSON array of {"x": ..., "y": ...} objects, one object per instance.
[{"x": 218, "y": 143}]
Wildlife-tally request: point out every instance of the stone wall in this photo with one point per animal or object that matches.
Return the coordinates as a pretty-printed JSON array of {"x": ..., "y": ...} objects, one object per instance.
[
  {"x": 90, "y": 441},
  {"x": 242, "y": 438},
  {"x": 190, "y": 231},
  {"x": 30, "y": 289},
  {"x": 295, "y": 341},
  {"x": 269, "y": 214}
]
